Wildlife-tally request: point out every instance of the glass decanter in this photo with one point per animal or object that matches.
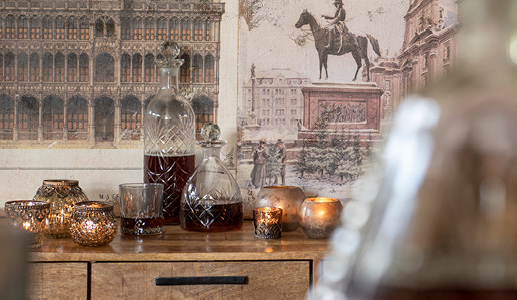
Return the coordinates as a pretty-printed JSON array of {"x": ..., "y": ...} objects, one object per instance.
[
  {"x": 169, "y": 135},
  {"x": 211, "y": 199},
  {"x": 443, "y": 223}
]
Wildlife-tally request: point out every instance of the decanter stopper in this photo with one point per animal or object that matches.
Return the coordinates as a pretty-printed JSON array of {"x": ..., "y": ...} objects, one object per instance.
[
  {"x": 170, "y": 50},
  {"x": 210, "y": 133}
]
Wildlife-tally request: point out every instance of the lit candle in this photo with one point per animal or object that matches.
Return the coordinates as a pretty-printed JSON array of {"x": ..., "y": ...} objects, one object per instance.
[
  {"x": 29, "y": 216},
  {"x": 267, "y": 222},
  {"x": 319, "y": 216},
  {"x": 93, "y": 223}
]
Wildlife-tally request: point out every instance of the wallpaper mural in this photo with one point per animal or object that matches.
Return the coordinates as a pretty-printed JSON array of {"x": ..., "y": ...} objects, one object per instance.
[{"x": 320, "y": 80}]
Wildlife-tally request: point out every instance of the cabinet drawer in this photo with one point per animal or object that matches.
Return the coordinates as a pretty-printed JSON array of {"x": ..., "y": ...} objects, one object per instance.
[
  {"x": 58, "y": 281},
  {"x": 265, "y": 280}
]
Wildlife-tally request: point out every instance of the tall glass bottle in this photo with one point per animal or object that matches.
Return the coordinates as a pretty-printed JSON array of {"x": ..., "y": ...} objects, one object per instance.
[
  {"x": 443, "y": 225},
  {"x": 169, "y": 135}
]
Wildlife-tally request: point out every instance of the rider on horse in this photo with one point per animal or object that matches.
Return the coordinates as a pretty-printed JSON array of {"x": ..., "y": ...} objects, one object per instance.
[{"x": 337, "y": 22}]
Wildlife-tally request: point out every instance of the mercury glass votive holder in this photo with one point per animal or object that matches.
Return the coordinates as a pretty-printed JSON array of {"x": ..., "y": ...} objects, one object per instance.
[
  {"x": 93, "y": 223},
  {"x": 267, "y": 222},
  {"x": 29, "y": 216},
  {"x": 319, "y": 216}
]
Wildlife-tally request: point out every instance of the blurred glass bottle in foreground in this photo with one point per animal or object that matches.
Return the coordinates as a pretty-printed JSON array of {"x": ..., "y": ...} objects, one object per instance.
[
  {"x": 169, "y": 135},
  {"x": 444, "y": 220}
]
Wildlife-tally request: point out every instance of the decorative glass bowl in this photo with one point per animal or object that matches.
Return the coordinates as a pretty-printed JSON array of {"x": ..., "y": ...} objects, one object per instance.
[{"x": 93, "y": 223}]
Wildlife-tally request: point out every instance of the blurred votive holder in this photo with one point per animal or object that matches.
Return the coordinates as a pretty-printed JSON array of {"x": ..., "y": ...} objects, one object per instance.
[
  {"x": 93, "y": 223},
  {"x": 29, "y": 216},
  {"x": 319, "y": 216},
  {"x": 267, "y": 222},
  {"x": 141, "y": 208}
]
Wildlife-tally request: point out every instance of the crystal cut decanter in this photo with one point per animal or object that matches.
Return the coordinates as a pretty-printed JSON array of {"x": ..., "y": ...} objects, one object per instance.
[
  {"x": 211, "y": 199},
  {"x": 169, "y": 135}
]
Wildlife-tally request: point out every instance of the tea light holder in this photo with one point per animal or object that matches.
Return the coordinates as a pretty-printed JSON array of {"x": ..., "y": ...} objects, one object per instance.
[
  {"x": 29, "y": 216},
  {"x": 319, "y": 216},
  {"x": 93, "y": 223},
  {"x": 267, "y": 222}
]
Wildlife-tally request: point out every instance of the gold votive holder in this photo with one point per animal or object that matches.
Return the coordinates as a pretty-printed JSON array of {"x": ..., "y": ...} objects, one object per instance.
[
  {"x": 29, "y": 216},
  {"x": 93, "y": 223},
  {"x": 319, "y": 216},
  {"x": 267, "y": 222}
]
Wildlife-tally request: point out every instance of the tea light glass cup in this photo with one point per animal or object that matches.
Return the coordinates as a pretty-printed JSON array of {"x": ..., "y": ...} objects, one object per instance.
[
  {"x": 29, "y": 216},
  {"x": 93, "y": 223},
  {"x": 267, "y": 222},
  {"x": 319, "y": 216}
]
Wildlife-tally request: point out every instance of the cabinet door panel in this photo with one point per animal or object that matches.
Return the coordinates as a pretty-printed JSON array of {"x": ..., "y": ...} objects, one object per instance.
[
  {"x": 266, "y": 280},
  {"x": 58, "y": 281}
]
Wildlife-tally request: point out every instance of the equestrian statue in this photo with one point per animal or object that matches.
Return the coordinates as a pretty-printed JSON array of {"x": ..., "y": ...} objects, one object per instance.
[{"x": 338, "y": 40}]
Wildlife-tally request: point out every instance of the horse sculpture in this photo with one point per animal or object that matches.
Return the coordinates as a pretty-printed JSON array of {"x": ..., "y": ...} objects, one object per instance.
[{"x": 343, "y": 44}]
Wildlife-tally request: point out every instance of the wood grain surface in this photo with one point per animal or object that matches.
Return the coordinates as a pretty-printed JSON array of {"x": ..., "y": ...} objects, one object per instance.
[
  {"x": 58, "y": 281},
  {"x": 176, "y": 244}
]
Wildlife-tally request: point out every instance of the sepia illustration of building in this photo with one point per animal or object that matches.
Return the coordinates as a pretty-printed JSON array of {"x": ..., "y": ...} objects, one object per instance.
[
  {"x": 273, "y": 99},
  {"x": 428, "y": 51},
  {"x": 81, "y": 72}
]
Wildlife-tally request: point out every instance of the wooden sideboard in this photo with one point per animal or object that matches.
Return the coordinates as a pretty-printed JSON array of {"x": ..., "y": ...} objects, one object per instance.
[{"x": 240, "y": 266}]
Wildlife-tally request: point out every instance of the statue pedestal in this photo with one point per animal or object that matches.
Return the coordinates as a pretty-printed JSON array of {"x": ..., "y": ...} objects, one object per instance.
[{"x": 338, "y": 106}]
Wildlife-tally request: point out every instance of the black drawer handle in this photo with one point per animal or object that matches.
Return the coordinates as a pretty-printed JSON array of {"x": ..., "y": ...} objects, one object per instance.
[{"x": 201, "y": 280}]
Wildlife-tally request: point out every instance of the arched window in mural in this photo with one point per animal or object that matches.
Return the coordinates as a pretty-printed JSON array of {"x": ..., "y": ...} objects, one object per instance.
[
  {"x": 198, "y": 29},
  {"x": 110, "y": 28},
  {"x": 28, "y": 118},
  {"x": 137, "y": 29},
  {"x": 204, "y": 109},
  {"x": 35, "y": 28},
  {"x": 77, "y": 118},
  {"x": 23, "y": 27},
  {"x": 47, "y": 27},
  {"x": 208, "y": 36},
  {"x": 185, "y": 29},
  {"x": 72, "y": 28},
  {"x": 149, "y": 68},
  {"x": 10, "y": 27},
  {"x": 9, "y": 63},
  {"x": 72, "y": 67},
  {"x": 159, "y": 57},
  {"x": 209, "y": 69},
  {"x": 137, "y": 68},
  {"x": 34, "y": 67},
  {"x": 48, "y": 67},
  {"x": 197, "y": 68},
  {"x": 23, "y": 67},
  {"x": 125, "y": 68},
  {"x": 131, "y": 118},
  {"x": 162, "y": 29},
  {"x": 59, "y": 67},
  {"x": 104, "y": 68},
  {"x": 6, "y": 117},
  {"x": 104, "y": 110},
  {"x": 84, "y": 28},
  {"x": 99, "y": 28},
  {"x": 1, "y": 28},
  {"x": 125, "y": 29},
  {"x": 60, "y": 28},
  {"x": 84, "y": 68},
  {"x": 53, "y": 118},
  {"x": 174, "y": 28},
  {"x": 185, "y": 69},
  {"x": 149, "y": 29}
]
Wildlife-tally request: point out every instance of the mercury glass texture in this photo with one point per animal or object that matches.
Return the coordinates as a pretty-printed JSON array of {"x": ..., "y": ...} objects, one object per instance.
[
  {"x": 93, "y": 223},
  {"x": 29, "y": 216}
]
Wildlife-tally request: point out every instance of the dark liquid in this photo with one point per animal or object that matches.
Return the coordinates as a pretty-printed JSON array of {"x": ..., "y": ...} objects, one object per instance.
[
  {"x": 173, "y": 172},
  {"x": 391, "y": 293},
  {"x": 221, "y": 217},
  {"x": 141, "y": 225}
]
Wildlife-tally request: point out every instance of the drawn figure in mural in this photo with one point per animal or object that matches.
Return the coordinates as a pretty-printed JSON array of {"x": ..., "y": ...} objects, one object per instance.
[
  {"x": 337, "y": 24},
  {"x": 280, "y": 158},
  {"x": 260, "y": 156},
  {"x": 343, "y": 43}
]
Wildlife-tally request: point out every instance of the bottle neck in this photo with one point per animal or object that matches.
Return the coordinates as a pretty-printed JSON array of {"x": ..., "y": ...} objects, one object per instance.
[
  {"x": 169, "y": 73},
  {"x": 489, "y": 30},
  {"x": 211, "y": 152}
]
